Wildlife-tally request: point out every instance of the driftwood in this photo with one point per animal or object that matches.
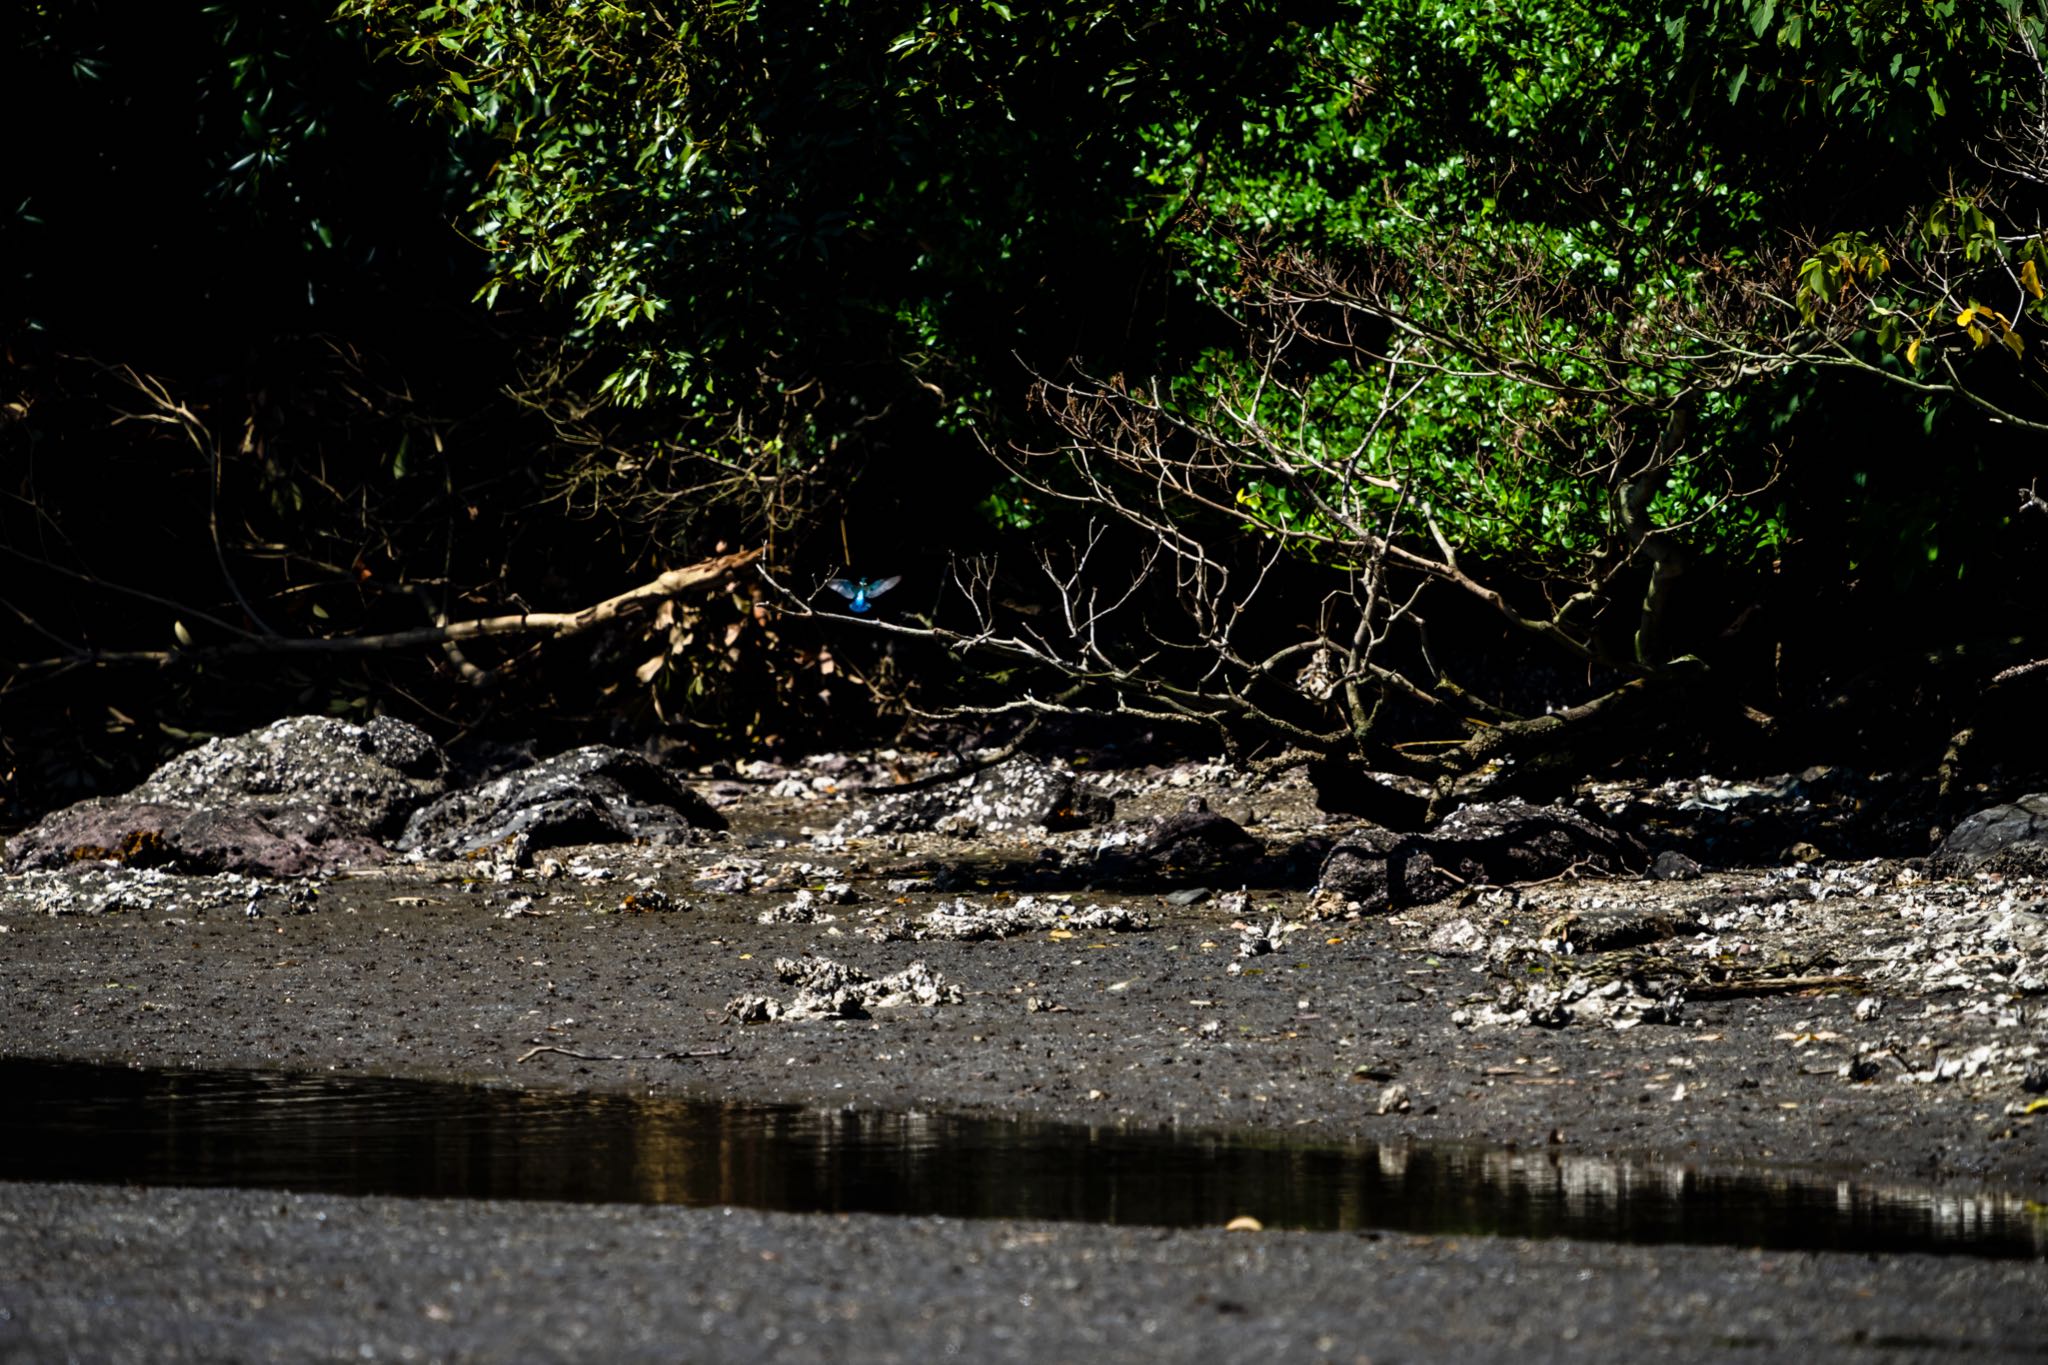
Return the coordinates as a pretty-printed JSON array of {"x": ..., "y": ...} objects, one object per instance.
[{"x": 551, "y": 624}]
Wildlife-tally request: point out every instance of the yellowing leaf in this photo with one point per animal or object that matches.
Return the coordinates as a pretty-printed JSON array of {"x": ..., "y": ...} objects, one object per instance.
[
  {"x": 2031, "y": 278},
  {"x": 1060, "y": 935},
  {"x": 2014, "y": 344},
  {"x": 1913, "y": 351},
  {"x": 1963, "y": 318}
]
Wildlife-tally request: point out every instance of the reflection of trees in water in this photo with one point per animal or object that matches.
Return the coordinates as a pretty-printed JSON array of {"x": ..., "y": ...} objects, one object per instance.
[{"x": 370, "y": 1136}]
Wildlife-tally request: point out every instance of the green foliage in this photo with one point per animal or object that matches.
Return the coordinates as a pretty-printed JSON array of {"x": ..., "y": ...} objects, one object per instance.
[
  {"x": 1883, "y": 67},
  {"x": 1507, "y": 277},
  {"x": 1541, "y": 222},
  {"x": 829, "y": 225}
]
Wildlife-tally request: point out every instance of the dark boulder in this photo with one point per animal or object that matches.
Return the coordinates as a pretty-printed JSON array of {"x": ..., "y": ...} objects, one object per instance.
[
  {"x": 298, "y": 796},
  {"x": 592, "y": 795},
  {"x": 1198, "y": 838},
  {"x": 2012, "y": 838},
  {"x": 1496, "y": 843}
]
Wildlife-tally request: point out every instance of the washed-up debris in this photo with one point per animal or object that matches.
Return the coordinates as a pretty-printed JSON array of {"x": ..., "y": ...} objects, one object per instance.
[
  {"x": 836, "y": 990},
  {"x": 963, "y": 921},
  {"x": 1458, "y": 938},
  {"x": 1019, "y": 794},
  {"x": 806, "y": 908},
  {"x": 502, "y": 861},
  {"x": 753, "y": 1009},
  {"x": 1920, "y": 1064},
  {"x": 1619, "y": 1003},
  {"x": 1599, "y": 931},
  {"x": 1994, "y": 945},
  {"x": 114, "y": 890},
  {"x": 731, "y": 876},
  {"x": 650, "y": 900},
  {"x": 1255, "y": 940}
]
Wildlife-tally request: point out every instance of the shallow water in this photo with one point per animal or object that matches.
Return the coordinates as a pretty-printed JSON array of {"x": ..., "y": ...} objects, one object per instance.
[{"x": 344, "y": 1134}]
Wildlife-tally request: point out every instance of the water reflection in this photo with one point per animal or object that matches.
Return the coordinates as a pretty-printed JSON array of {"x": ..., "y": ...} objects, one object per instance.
[{"x": 360, "y": 1135}]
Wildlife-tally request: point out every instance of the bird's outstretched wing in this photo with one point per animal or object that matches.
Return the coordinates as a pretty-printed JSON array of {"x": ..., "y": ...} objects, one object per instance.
[
  {"x": 843, "y": 588},
  {"x": 882, "y": 585}
]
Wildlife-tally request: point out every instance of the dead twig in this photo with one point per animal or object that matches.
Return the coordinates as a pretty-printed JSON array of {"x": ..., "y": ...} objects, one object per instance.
[{"x": 625, "y": 1056}]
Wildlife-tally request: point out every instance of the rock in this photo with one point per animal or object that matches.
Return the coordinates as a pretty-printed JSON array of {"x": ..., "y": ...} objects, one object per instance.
[
  {"x": 1199, "y": 839},
  {"x": 1256, "y": 940},
  {"x": 593, "y": 795},
  {"x": 1017, "y": 794},
  {"x": 1673, "y": 866},
  {"x": 1496, "y": 843},
  {"x": 369, "y": 775},
  {"x": 1457, "y": 938},
  {"x": 834, "y": 990},
  {"x": 297, "y": 796},
  {"x": 2012, "y": 838}
]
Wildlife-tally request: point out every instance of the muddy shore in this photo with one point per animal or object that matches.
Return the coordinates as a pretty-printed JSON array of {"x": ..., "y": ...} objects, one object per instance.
[
  {"x": 151, "y": 1275},
  {"x": 1339, "y": 1026}
]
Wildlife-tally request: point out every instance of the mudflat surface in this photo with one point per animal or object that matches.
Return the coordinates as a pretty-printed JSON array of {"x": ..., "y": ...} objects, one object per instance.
[
  {"x": 1885, "y": 1025},
  {"x": 128, "y": 1275}
]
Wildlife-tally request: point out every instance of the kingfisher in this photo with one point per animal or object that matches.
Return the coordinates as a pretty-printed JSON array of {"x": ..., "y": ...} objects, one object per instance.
[{"x": 861, "y": 590}]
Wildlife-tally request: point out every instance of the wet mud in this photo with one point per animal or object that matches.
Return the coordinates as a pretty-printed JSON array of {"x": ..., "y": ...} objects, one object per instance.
[{"x": 1881, "y": 1029}]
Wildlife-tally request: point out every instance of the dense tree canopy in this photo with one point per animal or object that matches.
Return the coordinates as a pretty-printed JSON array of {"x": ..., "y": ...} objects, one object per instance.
[{"x": 1400, "y": 372}]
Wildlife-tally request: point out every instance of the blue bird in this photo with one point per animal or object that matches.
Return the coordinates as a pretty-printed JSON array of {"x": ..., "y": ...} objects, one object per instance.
[{"x": 859, "y": 592}]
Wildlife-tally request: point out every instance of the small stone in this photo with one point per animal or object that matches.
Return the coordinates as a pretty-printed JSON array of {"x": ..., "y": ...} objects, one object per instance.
[
  {"x": 1193, "y": 895},
  {"x": 1673, "y": 866},
  {"x": 752, "y": 1009}
]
